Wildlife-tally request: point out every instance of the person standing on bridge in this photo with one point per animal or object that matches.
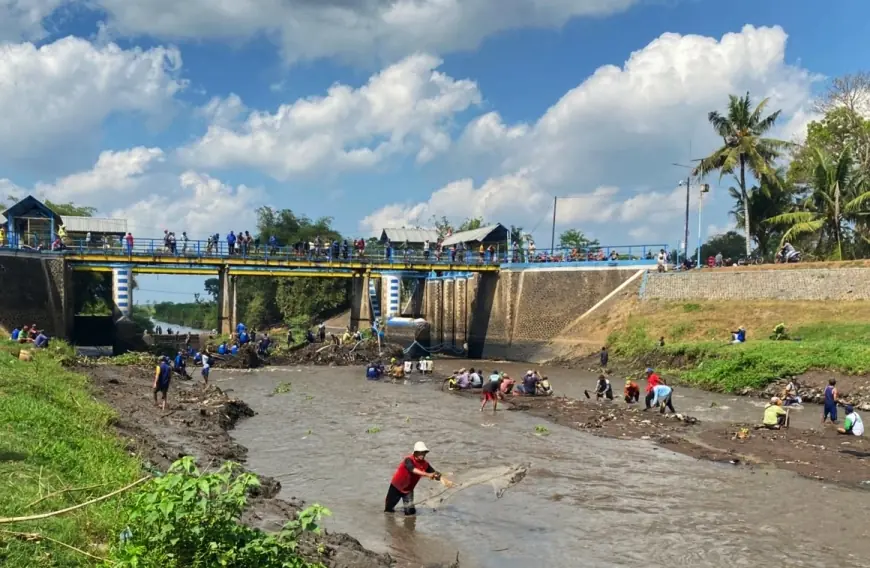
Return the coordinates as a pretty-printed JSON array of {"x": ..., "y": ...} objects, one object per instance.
[
  {"x": 129, "y": 242},
  {"x": 162, "y": 376},
  {"x": 231, "y": 243}
]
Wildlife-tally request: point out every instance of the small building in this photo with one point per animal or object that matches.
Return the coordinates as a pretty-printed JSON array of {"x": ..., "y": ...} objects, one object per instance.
[
  {"x": 411, "y": 236},
  {"x": 31, "y": 224},
  {"x": 496, "y": 235}
]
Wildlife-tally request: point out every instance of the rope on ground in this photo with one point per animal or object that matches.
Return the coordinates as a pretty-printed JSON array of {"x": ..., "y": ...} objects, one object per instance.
[
  {"x": 31, "y": 537},
  {"x": 61, "y": 491},
  {"x": 7, "y": 520}
]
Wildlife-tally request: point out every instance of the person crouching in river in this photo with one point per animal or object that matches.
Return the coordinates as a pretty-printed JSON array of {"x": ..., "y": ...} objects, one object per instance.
[
  {"x": 774, "y": 415},
  {"x": 405, "y": 480},
  {"x": 631, "y": 392},
  {"x": 662, "y": 395}
]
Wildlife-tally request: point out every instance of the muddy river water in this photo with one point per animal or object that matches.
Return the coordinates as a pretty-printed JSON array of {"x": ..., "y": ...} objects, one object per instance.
[{"x": 336, "y": 439}]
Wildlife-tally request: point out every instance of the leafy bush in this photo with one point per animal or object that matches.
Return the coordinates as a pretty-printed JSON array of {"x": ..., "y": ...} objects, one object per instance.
[{"x": 190, "y": 519}]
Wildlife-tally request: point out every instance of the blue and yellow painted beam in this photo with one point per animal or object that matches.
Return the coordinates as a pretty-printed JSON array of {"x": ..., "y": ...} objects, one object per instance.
[{"x": 215, "y": 263}]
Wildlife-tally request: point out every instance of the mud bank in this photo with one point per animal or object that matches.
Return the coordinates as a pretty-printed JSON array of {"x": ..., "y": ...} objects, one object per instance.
[
  {"x": 196, "y": 423},
  {"x": 354, "y": 353},
  {"x": 816, "y": 454}
]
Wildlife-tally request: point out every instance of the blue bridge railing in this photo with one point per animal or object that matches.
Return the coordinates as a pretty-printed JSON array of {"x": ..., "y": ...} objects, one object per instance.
[{"x": 341, "y": 252}]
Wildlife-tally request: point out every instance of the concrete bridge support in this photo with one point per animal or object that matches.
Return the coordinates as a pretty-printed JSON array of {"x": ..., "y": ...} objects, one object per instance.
[
  {"x": 360, "y": 303},
  {"x": 122, "y": 292},
  {"x": 227, "y": 314}
]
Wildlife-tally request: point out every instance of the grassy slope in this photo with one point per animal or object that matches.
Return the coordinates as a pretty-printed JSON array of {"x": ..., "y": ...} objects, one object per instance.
[
  {"x": 834, "y": 335},
  {"x": 56, "y": 436}
]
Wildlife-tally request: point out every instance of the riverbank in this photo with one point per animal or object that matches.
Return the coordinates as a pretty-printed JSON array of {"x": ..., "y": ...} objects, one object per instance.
[
  {"x": 819, "y": 454},
  {"x": 72, "y": 434},
  {"x": 197, "y": 422},
  {"x": 57, "y": 449}
]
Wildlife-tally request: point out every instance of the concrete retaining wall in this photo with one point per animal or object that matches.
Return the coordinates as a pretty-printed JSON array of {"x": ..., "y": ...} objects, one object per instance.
[
  {"x": 797, "y": 284},
  {"x": 36, "y": 290},
  {"x": 514, "y": 314}
]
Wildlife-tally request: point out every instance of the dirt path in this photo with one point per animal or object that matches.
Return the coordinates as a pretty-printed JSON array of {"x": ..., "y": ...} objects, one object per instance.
[{"x": 196, "y": 423}]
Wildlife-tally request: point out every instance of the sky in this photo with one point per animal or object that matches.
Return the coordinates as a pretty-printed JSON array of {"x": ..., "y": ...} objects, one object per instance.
[{"x": 188, "y": 116}]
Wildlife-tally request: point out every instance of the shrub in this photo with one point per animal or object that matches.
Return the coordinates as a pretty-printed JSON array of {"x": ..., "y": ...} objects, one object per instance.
[{"x": 191, "y": 519}]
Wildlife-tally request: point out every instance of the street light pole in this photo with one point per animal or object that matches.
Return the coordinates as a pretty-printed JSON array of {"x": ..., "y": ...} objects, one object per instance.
[
  {"x": 686, "y": 234},
  {"x": 553, "y": 234},
  {"x": 704, "y": 188}
]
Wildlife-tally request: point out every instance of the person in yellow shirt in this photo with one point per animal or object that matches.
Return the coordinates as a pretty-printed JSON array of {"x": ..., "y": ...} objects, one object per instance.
[{"x": 774, "y": 415}]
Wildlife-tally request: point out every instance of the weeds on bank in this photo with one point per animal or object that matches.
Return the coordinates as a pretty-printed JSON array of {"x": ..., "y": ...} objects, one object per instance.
[
  {"x": 56, "y": 450},
  {"x": 190, "y": 518},
  {"x": 718, "y": 365}
]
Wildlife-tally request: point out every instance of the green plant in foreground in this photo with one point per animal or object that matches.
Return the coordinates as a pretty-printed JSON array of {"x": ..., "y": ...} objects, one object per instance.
[
  {"x": 189, "y": 518},
  {"x": 373, "y": 430},
  {"x": 283, "y": 388},
  {"x": 542, "y": 430}
]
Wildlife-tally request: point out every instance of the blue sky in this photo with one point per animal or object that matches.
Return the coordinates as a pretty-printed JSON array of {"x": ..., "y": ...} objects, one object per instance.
[{"x": 387, "y": 112}]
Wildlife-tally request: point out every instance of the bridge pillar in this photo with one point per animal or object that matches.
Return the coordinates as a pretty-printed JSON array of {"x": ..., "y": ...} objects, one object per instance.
[
  {"x": 226, "y": 302},
  {"x": 122, "y": 291},
  {"x": 360, "y": 303}
]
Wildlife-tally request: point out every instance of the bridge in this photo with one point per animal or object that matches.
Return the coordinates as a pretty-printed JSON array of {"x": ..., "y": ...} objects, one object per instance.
[{"x": 45, "y": 249}]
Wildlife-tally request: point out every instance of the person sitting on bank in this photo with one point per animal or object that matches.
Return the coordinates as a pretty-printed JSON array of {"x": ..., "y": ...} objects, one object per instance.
[
  {"x": 405, "y": 479},
  {"x": 463, "y": 381},
  {"x": 631, "y": 392},
  {"x": 506, "y": 386},
  {"x": 774, "y": 415},
  {"x": 372, "y": 372},
  {"x": 41, "y": 340},
  {"x": 530, "y": 384},
  {"x": 408, "y": 366},
  {"x": 853, "y": 425},
  {"x": 662, "y": 395},
  {"x": 475, "y": 379},
  {"x": 738, "y": 336}
]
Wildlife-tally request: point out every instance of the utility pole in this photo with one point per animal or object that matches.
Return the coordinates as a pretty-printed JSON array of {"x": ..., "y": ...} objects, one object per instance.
[
  {"x": 553, "y": 234},
  {"x": 686, "y": 233}
]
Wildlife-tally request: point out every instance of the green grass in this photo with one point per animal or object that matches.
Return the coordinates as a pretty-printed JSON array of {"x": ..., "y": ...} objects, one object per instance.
[
  {"x": 718, "y": 365},
  {"x": 53, "y": 436}
]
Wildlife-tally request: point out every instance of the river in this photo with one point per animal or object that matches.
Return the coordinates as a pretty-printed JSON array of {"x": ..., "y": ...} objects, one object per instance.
[
  {"x": 587, "y": 500},
  {"x": 180, "y": 328}
]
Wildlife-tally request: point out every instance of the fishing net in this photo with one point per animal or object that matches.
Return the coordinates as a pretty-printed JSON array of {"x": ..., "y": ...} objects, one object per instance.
[{"x": 501, "y": 478}]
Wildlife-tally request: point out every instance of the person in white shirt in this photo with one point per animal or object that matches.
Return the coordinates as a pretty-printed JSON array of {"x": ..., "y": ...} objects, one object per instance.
[
  {"x": 661, "y": 260},
  {"x": 206, "y": 367},
  {"x": 853, "y": 425}
]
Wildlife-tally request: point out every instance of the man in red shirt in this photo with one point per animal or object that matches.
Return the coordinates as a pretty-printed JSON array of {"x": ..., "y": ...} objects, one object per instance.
[
  {"x": 405, "y": 479},
  {"x": 652, "y": 380}
]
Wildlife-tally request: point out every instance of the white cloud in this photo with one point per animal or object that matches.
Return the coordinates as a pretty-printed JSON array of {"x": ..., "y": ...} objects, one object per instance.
[
  {"x": 622, "y": 127},
  {"x": 406, "y": 108},
  {"x": 63, "y": 91},
  {"x": 113, "y": 177},
  {"x": 224, "y": 112},
  {"x": 199, "y": 204},
  {"x": 23, "y": 18},
  {"x": 351, "y": 29}
]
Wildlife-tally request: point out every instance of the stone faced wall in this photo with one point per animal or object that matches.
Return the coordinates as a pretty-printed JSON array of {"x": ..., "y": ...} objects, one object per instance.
[
  {"x": 795, "y": 284},
  {"x": 35, "y": 290},
  {"x": 516, "y": 313}
]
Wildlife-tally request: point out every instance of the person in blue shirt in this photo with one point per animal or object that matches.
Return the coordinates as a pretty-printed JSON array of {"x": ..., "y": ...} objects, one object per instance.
[
  {"x": 222, "y": 349},
  {"x": 15, "y": 334},
  {"x": 243, "y": 337},
  {"x": 180, "y": 365},
  {"x": 662, "y": 395},
  {"x": 231, "y": 243},
  {"x": 263, "y": 347},
  {"x": 41, "y": 340},
  {"x": 273, "y": 245},
  {"x": 197, "y": 358},
  {"x": 234, "y": 350},
  {"x": 373, "y": 373},
  {"x": 240, "y": 327},
  {"x": 738, "y": 336},
  {"x": 162, "y": 376}
]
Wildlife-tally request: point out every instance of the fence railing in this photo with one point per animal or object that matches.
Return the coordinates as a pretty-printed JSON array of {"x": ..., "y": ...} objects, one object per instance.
[{"x": 341, "y": 252}]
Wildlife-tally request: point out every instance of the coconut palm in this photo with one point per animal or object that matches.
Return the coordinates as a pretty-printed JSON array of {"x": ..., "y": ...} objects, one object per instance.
[
  {"x": 744, "y": 147},
  {"x": 765, "y": 201},
  {"x": 835, "y": 203}
]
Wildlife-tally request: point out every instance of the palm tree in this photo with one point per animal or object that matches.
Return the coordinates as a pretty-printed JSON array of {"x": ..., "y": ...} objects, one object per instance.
[
  {"x": 834, "y": 204},
  {"x": 744, "y": 146},
  {"x": 765, "y": 202}
]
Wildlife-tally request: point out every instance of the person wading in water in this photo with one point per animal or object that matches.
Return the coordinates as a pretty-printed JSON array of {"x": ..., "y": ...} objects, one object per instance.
[{"x": 405, "y": 480}]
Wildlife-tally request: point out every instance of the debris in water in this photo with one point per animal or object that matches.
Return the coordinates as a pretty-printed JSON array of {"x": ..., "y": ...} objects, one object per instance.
[
  {"x": 542, "y": 431},
  {"x": 373, "y": 430},
  {"x": 282, "y": 388}
]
